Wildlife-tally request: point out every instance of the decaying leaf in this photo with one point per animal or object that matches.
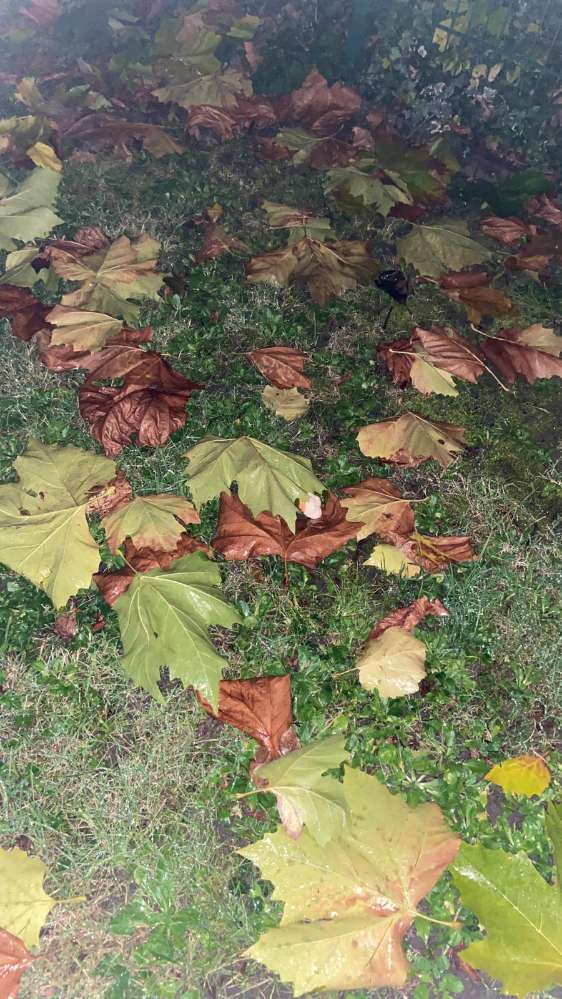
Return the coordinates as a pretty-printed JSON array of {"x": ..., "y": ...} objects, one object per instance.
[
  {"x": 24, "y": 905},
  {"x": 319, "y": 107},
  {"x": 432, "y": 554},
  {"x": 82, "y": 330},
  {"x": 304, "y": 796},
  {"x": 379, "y": 507},
  {"x": 26, "y": 213},
  {"x": 150, "y": 522},
  {"x": 260, "y": 707},
  {"x": 98, "y": 130},
  {"x": 14, "y": 959},
  {"x": 544, "y": 208},
  {"x": 217, "y": 241},
  {"x": 26, "y": 313},
  {"x": 348, "y": 904},
  {"x": 392, "y": 560},
  {"x": 409, "y": 617},
  {"x": 287, "y": 403},
  {"x": 268, "y": 479},
  {"x": 355, "y": 187},
  {"x": 507, "y": 230},
  {"x": 112, "y": 584},
  {"x": 282, "y": 366},
  {"x": 327, "y": 270},
  {"x": 43, "y": 155},
  {"x": 522, "y": 916},
  {"x": 430, "y": 359},
  {"x": 532, "y": 353},
  {"x": 392, "y": 663},
  {"x": 522, "y": 775},
  {"x": 435, "y": 249},
  {"x": 44, "y": 533},
  {"x": 411, "y": 439},
  {"x": 66, "y": 625},
  {"x": 241, "y": 536},
  {"x": 299, "y": 221},
  {"x": 164, "y": 617}
]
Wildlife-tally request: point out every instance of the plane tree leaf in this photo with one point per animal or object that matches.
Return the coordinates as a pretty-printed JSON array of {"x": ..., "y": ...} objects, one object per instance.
[
  {"x": 299, "y": 221},
  {"x": 26, "y": 313},
  {"x": 326, "y": 270},
  {"x": 80, "y": 329},
  {"x": 507, "y": 230},
  {"x": 113, "y": 583},
  {"x": 112, "y": 277},
  {"x": 164, "y": 617},
  {"x": 14, "y": 959},
  {"x": 389, "y": 559},
  {"x": 379, "y": 506},
  {"x": 26, "y": 213},
  {"x": 304, "y": 796},
  {"x": 411, "y": 439},
  {"x": 409, "y": 617},
  {"x": 99, "y": 129},
  {"x": 521, "y": 914},
  {"x": 24, "y": 905},
  {"x": 44, "y": 533},
  {"x": 319, "y": 107},
  {"x": 392, "y": 663},
  {"x": 432, "y": 554},
  {"x": 150, "y": 521},
  {"x": 431, "y": 358},
  {"x": 348, "y": 904},
  {"x": 260, "y": 707},
  {"x": 532, "y": 353},
  {"x": 435, "y": 249},
  {"x": 282, "y": 366},
  {"x": 287, "y": 403},
  {"x": 268, "y": 479},
  {"x": 521, "y": 775},
  {"x": 354, "y": 187}
]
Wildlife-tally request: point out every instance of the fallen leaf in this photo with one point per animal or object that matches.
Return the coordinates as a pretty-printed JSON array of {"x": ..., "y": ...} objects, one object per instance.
[
  {"x": 221, "y": 89},
  {"x": 88, "y": 240},
  {"x": 392, "y": 663},
  {"x": 507, "y": 230},
  {"x": 14, "y": 959},
  {"x": 430, "y": 358},
  {"x": 435, "y": 249},
  {"x": 521, "y": 914},
  {"x": 26, "y": 213},
  {"x": 260, "y": 707},
  {"x": 216, "y": 242},
  {"x": 241, "y": 536},
  {"x": 82, "y": 330},
  {"x": 268, "y": 479},
  {"x": 327, "y": 270},
  {"x": 379, "y": 507},
  {"x": 98, "y": 130},
  {"x": 522, "y": 775},
  {"x": 411, "y": 439},
  {"x": 66, "y": 625},
  {"x": 164, "y": 617},
  {"x": 542, "y": 207},
  {"x": 464, "y": 279},
  {"x": 282, "y": 366},
  {"x": 392, "y": 560},
  {"x": 112, "y": 277},
  {"x": 64, "y": 358},
  {"x": 43, "y": 155},
  {"x": 482, "y": 301},
  {"x": 318, "y": 106},
  {"x": 150, "y": 522},
  {"x": 115, "y": 494},
  {"x": 44, "y": 533},
  {"x": 532, "y": 353},
  {"x": 354, "y": 188},
  {"x": 287, "y": 403},
  {"x": 24, "y": 905},
  {"x": 304, "y": 797},
  {"x": 349, "y": 904},
  {"x": 409, "y": 617},
  {"x": 112, "y": 584},
  {"x": 301, "y": 222},
  {"x": 26, "y": 313},
  {"x": 432, "y": 554}
]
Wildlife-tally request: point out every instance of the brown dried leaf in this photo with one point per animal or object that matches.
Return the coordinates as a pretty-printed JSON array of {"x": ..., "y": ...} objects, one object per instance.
[
  {"x": 87, "y": 240},
  {"x": 111, "y": 497},
  {"x": 379, "y": 507},
  {"x": 482, "y": 301},
  {"x": 289, "y": 404},
  {"x": 241, "y": 536},
  {"x": 64, "y": 358},
  {"x": 449, "y": 351},
  {"x": 260, "y": 707},
  {"x": 14, "y": 959},
  {"x": 409, "y": 617},
  {"x": 432, "y": 554},
  {"x": 217, "y": 241},
  {"x": 282, "y": 366},
  {"x": 464, "y": 279},
  {"x": 319, "y": 107},
  {"x": 543, "y": 207},
  {"x": 100, "y": 129},
  {"x": 26, "y": 313},
  {"x": 411, "y": 439},
  {"x": 532, "y": 353},
  {"x": 66, "y": 625},
  {"x": 507, "y": 230},
  {"x": 327, "y": 270},
  {"x": 112, "y": 584}
]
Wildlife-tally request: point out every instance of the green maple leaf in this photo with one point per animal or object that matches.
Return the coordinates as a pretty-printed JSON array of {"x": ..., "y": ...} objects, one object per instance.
[
  {"x": 349, "y": 903},
  {"x": 150, "y": 521},
  {"x": 267, "y": 479},
  {"x": 164, "y": 618},
  {"x": 24, "y": 905},
  {"x": 353, "y": 188},
  {"x": 27, "y": 212},
  {"x": 44, "y": 533},
  {"x": 522, "y": 916},
  {"x": 435, "y": 249},
  {"x": 304, "y": 796},
  {"x": 221, "y": 89}
]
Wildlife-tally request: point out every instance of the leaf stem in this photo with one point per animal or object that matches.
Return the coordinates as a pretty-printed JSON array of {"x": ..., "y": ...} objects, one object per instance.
[
  {"x": 75, "y": 900},
  {"x": 454, "y": 925}
]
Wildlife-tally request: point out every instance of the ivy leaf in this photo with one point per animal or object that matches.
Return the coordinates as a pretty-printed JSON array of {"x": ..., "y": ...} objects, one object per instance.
[
  {"x": 348, "y": 904},
  {"x": 164, "y": 617},
  {"x": 435, "y": 249},
  {"x": 26, "y": 213},
  {"x": 150, "y": 522},
  {"x": 44, "y": 533},
  {"x": 411, "y": 439},
  {"x": 304, "y": 796},
  {"x": 522, "y": 916},
  {"x": 267, "y": 479},
  {"x": 14, "y": 959},
  {"x": 24, "y": 905},
  {"x": 521, "y": 775},
  {"x": 393, "y": 663}
]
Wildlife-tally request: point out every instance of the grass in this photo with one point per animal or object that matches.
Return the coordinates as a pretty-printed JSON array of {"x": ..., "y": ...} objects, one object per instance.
[{"x": 134, "y": 805}]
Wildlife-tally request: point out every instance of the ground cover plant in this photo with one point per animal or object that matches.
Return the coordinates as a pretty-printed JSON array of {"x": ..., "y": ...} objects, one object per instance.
[{"x": 280, "y": 573}]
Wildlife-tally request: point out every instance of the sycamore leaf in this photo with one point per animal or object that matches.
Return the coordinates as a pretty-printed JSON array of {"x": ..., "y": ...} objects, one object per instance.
[
  {"x": 150, "y": 522},
  {"x": 506, "y": 230},
  {"x": 420, "y": 172},
  {"x": 24, "y": 905},
  {"x": 44, "y": 533},
  {"x": 299, "y": 221},
  {"x": 19, "y": 270},
  {"x": 216, "y": 242},
  {"x": 349, "y": 904},
  {"x": 221, "y": 89},
  {"x": 393, "y": 663},
  {"x": 410, "y": 439},
  {"x": 432, "y": 554},
  {"x": 304, "y": 796},
  {"x": 44, "y": 155},
  {"x": 260, "y": 707},
  {"x": 164, "y": 617},
  {"x": 447, "y": 350},
  {"x": 82, "y": 330},
  {"x": 27, "y": 314},
  {"x": 98, "y": 130},
  {"x": 282, "y": 366},
  {"x": 435, "y": 249},
  {"x": 14, "y": 959},
  {"x": 522, "y": 775},
  {"x": 390, "y": 559},
  {"x": 26, "y": 213},
  {"x": 115, "y": 582},
  {"x": 479, "y": 301},
  {"x": 320, "y": 107},
  {"x": 287, "y": 403},
  {"x": 522, "y": 916},
  {"x": 428, "y": 379},
  {"x": 379, "y": 506},
  {"x": 267, "y": 479},
  {"x": 409, "y": 617},
  {"x": 110, "y": 278},
  {"x": 326, "y": 270},
  {"x": 532, "y": 353},
  {"x": 241, "y": 536},
  {"x": 353, "y": 186}
]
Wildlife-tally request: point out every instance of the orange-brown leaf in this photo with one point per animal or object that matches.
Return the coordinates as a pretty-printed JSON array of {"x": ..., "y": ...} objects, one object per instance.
[
  {"x": 112, "y": 584},
  {"x": 432, "y": 554},
  {"x": 282, "y": 366},
  {"x": 378, "y": 505},
  {"x": 26, "y": 313},
  {"x": 482, "y": 301},
  {"x": 319, "y": 107},
  {"x": 217, "y": 241},
  {"x": 507, "y": 230},
  {"x": 260, "y": 707},
  {"x": 14, "y": 959},
  {"x": 449, "y": 351},
  {"x": 409, "y": 617},
  {"x": 532, "y": 353}
]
